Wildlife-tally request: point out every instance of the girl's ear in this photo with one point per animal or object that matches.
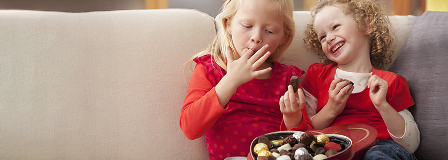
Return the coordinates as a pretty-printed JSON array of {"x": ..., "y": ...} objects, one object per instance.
[
  {"x": 369, "y": 28},
  {"x": 228, "y": 28},
  {"x": 283, "y": 39}
]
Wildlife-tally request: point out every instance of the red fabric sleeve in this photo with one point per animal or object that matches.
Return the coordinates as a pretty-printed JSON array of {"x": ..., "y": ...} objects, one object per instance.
[
  {"x": 401, "y": 97},
  {"x": 201, "y": 107},
  {"x": 304, "y": 126}
]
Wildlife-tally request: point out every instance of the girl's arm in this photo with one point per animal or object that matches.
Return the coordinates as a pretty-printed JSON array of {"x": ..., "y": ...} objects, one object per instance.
[
  {"x": 401, "y": 126},
  {"x": 291, "y": 105},
  {"x": 411, "y": 137},
  {"x": 377, "y": 92},
  {"x": 201, "y": 107}
]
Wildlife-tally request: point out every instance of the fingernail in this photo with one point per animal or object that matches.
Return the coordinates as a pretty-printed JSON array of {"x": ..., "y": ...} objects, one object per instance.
[{"x": 266, "y": 46}]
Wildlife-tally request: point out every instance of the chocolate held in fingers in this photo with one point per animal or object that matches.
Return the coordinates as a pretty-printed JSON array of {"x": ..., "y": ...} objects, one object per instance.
[
  {"x": 353, "y": 84},
  {"x": 294, "y": 81}
]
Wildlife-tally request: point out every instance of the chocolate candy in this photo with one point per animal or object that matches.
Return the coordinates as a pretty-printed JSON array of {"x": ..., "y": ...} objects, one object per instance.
[
  {"x": 286, "y": 147},
  {"x": 300, "y": 151},
  {"x": 332, "y": 145},
  {"x": 260, "y": 147},
  {"x": 320, "y": 150},
  {"x": 307, "y": 138},
  {"x": 314, "y": 146},
  {"x": 294, "y": 81},
  {"x": 331, "y": 152},
  {"x": 269, "y": 158},
  {"x": 265, "y": 140},
  {"x": 277, "y": 142},
  {"x": 319, "y": 157},
  {"x": 284, "y": 152},
  {"x": 350, "y": 82},
  {"x": 297, "y": 146},
  {"x": 284, "y": 157},
  {"x": 305, "y": 157},
  {"x": 322, "y": 139},
  {"x": 291, "y": 140},
  {"x": 264, "y": 153}
]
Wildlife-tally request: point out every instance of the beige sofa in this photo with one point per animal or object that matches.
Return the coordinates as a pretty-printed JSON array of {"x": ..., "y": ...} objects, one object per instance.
[{"x": 109, "y": 85}]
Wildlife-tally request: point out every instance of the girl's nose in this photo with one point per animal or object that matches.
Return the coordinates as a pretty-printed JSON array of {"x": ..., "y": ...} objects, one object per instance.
[
  {"x": 330, "y": 38},
  {"x": 256, "y": 37}
]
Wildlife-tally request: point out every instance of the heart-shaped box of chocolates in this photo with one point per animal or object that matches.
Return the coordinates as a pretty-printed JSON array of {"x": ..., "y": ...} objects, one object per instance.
[{"x": 341, "y": 142}]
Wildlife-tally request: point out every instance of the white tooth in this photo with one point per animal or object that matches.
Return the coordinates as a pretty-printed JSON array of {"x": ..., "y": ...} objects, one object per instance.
[{"x": 337, "y": 47}]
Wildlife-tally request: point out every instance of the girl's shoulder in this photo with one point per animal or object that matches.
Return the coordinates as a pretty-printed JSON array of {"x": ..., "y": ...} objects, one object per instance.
[
  {"x": 386, "y": 75},
  {"x": 210, "y": 66},
  {"x": 204, "y": 60},
  {"x": 391, "y": 77}
]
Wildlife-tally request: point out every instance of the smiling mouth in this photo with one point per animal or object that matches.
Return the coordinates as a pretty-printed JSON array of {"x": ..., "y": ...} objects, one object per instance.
[{"x": 337, "y": 46}]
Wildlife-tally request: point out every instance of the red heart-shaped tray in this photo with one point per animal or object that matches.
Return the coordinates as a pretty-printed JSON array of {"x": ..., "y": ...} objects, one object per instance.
[{"x": 362, "y": 137}]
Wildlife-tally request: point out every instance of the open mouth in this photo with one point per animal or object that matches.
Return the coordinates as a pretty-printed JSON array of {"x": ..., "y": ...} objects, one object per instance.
[{"x": 336, "y": 47}]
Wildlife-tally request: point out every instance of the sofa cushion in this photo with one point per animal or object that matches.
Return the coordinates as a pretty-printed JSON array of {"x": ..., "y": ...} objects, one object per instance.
[
  {"x": 423, "y": 62},
  {"x": 97, "y": 85}
]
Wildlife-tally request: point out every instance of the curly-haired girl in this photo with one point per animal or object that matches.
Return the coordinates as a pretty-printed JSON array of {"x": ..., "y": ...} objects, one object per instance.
[{"x": 353, "y": 39}]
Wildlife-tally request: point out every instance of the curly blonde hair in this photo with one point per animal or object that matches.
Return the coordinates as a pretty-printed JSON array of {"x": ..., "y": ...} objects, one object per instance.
[
  {"x": 223, "y": 39},
  {"x": 366, "y": 14}
]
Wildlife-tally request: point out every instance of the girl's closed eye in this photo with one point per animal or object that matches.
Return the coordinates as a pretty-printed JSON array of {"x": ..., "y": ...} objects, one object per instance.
[
  {"x": 322, "y": 38},
  {"x": 246, "y": 25},
  {"x": 269, "y": 31},
  {"x": 336, "y": 26}
]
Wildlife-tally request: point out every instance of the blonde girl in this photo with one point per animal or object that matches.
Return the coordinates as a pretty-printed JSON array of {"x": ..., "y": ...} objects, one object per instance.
[{"x": 234, "y": 92}]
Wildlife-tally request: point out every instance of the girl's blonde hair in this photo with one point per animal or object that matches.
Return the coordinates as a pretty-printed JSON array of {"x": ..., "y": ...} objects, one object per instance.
[
  {"x": 366, "y": 14},
  {"x": 223, "y": 39}
]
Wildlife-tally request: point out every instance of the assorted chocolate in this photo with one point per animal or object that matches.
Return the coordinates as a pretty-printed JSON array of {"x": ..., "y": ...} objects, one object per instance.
[
  {"x": 299, "y": 146},
  {"x": 294, "y": 81}
]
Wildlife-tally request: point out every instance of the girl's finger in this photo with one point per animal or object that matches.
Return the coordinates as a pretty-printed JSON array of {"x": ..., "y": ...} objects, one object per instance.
[
  {"x": 301, "y": 96},
  {"x": 249, "y": 53},
  {"x": 347, "y": 90},
  {"x": 229, "y": 54},
  {"x": 282, "y": 104},
  {"x": 260, "y": 61},
  {"x": 261, "y": 72},
  {"x": 292, "y": 95},
  {"x": 258, "y": 54},
  {"x": 334, "y": 83},
  {"x": 286, "y": 98}
]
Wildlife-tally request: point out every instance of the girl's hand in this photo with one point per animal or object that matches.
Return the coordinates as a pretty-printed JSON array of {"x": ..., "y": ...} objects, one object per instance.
[
  {"x": 291, "y": 105},
  {"x": 378, "y": 90},
  {"x": 244, "y": 69},
  {"x": 338, "y": 94}
]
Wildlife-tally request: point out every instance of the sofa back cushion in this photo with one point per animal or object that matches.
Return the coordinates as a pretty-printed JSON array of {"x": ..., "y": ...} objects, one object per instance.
[
  {"x": 423, "y": 62},
  {"x": 97, "y": 85}
]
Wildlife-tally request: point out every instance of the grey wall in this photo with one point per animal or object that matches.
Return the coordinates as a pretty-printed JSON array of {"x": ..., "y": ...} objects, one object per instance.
[
  {"x": 72, "y": 5},
  {"x": 211, "y": 7}
]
